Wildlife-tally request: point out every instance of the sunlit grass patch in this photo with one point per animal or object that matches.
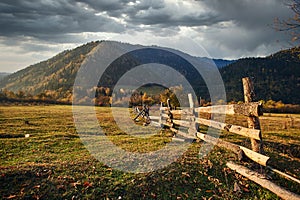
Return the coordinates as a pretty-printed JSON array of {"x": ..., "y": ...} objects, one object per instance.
[{"x": 53, "y": 162}]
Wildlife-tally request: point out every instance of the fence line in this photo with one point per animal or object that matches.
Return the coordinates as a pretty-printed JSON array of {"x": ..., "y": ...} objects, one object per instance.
[{"x": 252, "y": 110}]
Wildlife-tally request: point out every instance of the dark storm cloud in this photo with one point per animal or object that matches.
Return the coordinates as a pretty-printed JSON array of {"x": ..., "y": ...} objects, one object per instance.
[
  {"x": 42, "y": 19},
  {"x": 169, "y": 19},
  {"x": 249, "y": 13},
  {"x": 105, "y": 5},
  {"x": 48, "y": 18},
  {"x": 224, "y": 27},
  {"x": 170, "y": 14},
  {"x": 250, "y": 25}
]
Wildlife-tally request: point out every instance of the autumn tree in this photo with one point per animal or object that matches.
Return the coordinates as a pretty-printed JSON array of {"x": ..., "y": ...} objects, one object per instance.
[
  {"x": 291, "y": 25},
  {"x": 147, "y": 99}
]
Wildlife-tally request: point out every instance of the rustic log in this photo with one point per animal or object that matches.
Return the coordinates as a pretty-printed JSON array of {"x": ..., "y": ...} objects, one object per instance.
[
  {"x": 138, "y": 115},
  {"x": 247, "y": 132},
  {"x": 193, "y": 125},
  {"x": 181, "y": 112},
  {"x": 164, "y": 115},
  {"x": 168, "y": 124},
  {"x": 182, "y": 123},
  {"x": 191, "y": 102},
  {"x": 175, "y": 139},
  {"x": 256, "y": 157},
  {"x": 253, "y": 121},
  {"x": 239, "y": 150},
  {"x": 246, "y": 109},
  {"x": 169, "y": 104},
  {"x": 284, "y": 174},
  {"x": 255, "y": 177},
  {"x": 154, "y": 117},
  {"x": 160, "y": 121},
  {"x": 221, "y": 143}
]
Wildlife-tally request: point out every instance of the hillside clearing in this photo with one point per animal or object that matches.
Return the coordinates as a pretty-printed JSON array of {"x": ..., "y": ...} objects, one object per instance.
[{"x": 53, "y": 162}]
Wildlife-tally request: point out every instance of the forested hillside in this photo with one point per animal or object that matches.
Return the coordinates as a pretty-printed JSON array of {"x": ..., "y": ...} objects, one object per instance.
[
  {"x": 275, "y": 77},
  {"x": 54, "y": 77}
]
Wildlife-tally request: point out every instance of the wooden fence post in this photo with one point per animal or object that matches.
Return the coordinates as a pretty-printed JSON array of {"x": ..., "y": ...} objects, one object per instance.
[
  {"x": 193, "y": 127},
  {"x": 253, "y": 121},
  {"x": 170, "y": 115},
  {"x": 160, "y": 115}
]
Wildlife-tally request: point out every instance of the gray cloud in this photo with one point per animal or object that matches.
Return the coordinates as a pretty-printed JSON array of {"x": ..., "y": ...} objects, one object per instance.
[
  {"x": 250, "y": 29},
  {"x": 43, "y": 19},
  {"x": 105, "y": 5},
  {"x": 172, "y": 14},
  {"x": 226, "y": 28},
  {"x": 249, "y": 13}
]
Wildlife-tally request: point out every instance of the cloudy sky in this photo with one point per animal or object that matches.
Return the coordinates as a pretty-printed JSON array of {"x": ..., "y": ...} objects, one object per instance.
[{"x": 35, "y": 30}]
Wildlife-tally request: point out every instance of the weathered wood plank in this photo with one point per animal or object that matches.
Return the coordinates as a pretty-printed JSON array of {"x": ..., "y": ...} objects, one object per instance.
[
  {"x": 256, "y": 157},
  {"x": 154, "y": 117},
  {"x": 181, "y": 112},
  {"x": 256, "y": 177},
  {"x": 178, "y": 139},
  {"x": 165, "y": 115},
  {"x": 247, "y": 132},
  {"x": 253, "y": 121},
  {"x": 169, "y": 104},
  {"x": 191, "y": 102},
  {"x": 221, "y": 143},
  {"x": 182, "y": 123},
  {"x": 246, "y": 109},
  {"x": 167, "y": 124},
  {"x": 284, "y": 174}
]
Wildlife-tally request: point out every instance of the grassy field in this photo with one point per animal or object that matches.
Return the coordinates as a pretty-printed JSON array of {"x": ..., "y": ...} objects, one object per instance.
[{"x": 54, "y": 164}]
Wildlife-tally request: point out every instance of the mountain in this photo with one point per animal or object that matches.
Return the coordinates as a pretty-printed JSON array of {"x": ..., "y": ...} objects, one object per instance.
[
  {"x": 275, "y": 77},
  {"x": 55, "y": 74},
  {"x": 3, "y": 74},
  {"x": 220, "y": 63}
]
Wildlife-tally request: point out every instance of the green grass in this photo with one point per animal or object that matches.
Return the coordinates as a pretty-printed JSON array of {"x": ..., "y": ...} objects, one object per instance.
[{"x": 53, "y": 163}]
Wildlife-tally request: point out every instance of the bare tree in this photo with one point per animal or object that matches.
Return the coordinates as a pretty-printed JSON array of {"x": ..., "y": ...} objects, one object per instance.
[{"x": 292, "y": 25}]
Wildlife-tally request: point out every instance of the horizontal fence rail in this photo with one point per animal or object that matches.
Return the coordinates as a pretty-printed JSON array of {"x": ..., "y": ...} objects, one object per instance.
[
  {"x": 246, "y": 109},
  {"x": 189, "y": 119},
  {"x": 247, "y": 132}
]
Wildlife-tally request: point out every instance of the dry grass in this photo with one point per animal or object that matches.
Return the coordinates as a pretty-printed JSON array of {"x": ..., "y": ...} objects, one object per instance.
[{"x": 53, "y": 163}]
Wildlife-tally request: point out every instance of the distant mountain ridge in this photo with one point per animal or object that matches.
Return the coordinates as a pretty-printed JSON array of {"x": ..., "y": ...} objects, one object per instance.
[
  {"x": 3, "y": 74},
  {"x": 58, "y": 73},
  {"x": 55, "y": 74},
  {"x": 275, "y": 77}
]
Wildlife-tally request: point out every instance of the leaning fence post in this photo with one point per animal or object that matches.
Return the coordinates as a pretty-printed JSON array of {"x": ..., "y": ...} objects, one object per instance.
[{"x": 253, "y": 121}]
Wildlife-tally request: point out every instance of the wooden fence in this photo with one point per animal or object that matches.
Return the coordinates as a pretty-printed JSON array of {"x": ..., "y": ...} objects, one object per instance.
[{"x": 190, "y": 120}]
